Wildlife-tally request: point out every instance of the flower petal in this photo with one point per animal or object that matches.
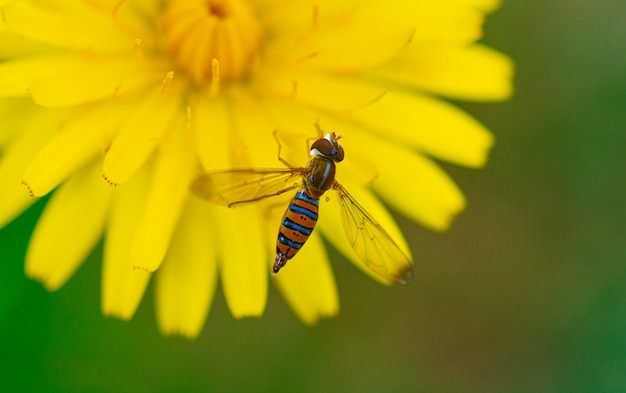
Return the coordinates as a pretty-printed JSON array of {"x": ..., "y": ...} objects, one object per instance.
[
  {"x": 438, "y": 23},
  {"x": 438, "y": 128},
  {"x": 172, "y": 173},
  {"x": 90, "y": 80},
  {"x": 72, "y": 147},
  {"x": 251, "y": 140},
  {"x": 318, "y": 38},
  {"x": 58, "y": 23},
  {"x": 326, "y": 47},
  {"x": 122, "y": 285},
  {"x": 473, "y": 73},
  {"x": 243, "y": 260},
  {"x": 428, "y": 195},
  {"x": 55, "y": 80},
  {"x": 139, "y": 136},
  {"x": 333, "y": 93},
  {"x": 235, "y": 133},
  {"x": 20, "y": 73},
  {"x": 13, "y": 45},
  {"x": 186, "y": 281},
  {"x": 484, "y": 5},
  {"x": 56, "y": 247},
  {"x": 210, "y": 125},
  {"x": 35, "y": 128},
  {"x": 307, "y": 282},
  {"x": 13, "y": 111},
  {"x": 435, "y": 127}
]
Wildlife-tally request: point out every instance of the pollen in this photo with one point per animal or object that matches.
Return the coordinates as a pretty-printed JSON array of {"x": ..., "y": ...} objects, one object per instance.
[
  {"x": 30, "y": 190},
  {"x": 215, "y": 76},
  {"x": 106, "y": 179},
  {"x": 137, "y": 50},
  {"x": 199, "y": 32},
  {"x": 167, "y": 81}
]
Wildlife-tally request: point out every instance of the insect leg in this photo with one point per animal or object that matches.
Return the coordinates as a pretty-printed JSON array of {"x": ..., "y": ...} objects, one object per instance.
[
  {"x": 320, "y": 135},
  {"x": 287, "y": 164},
  {"x": 320, "y": 132},
  {"x": 279, "y": 192}
]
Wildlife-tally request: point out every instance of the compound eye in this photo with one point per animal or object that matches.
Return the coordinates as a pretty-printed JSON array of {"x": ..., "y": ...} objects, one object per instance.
[
  {"x": 324, "y": 147},
  {"x": 339, "y": 153}
]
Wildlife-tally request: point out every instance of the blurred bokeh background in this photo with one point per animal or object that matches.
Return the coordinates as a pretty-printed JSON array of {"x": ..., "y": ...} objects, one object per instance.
[{"x": 526, "y": 292}]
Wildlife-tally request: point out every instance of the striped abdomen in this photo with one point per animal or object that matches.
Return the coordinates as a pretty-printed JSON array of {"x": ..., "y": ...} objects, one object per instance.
[{"x": 296, "y": 227}]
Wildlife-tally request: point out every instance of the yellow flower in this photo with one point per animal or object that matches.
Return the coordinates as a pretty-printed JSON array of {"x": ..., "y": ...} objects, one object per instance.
[{"x": 144, "y": 93}]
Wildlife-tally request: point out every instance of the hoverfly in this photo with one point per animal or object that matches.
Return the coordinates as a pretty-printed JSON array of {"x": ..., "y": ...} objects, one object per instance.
[{"x": 375, "y": 248}]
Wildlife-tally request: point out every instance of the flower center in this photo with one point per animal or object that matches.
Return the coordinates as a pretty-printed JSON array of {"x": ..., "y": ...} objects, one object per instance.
[{"x": 199, "y": 31}]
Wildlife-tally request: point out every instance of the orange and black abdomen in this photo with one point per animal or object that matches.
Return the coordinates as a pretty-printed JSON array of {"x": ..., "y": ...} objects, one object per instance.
[{"x": 298, "y": 223}]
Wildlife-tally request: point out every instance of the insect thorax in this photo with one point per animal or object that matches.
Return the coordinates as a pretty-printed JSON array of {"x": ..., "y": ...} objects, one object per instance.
[{"x": 320, "y": 176}]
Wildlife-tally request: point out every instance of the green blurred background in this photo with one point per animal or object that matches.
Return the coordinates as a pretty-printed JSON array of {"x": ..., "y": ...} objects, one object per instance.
[{"x": 526, "y": 292}]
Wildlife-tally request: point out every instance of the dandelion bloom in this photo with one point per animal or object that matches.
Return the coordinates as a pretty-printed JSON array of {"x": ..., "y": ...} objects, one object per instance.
[{"x": 117, "y": 105}]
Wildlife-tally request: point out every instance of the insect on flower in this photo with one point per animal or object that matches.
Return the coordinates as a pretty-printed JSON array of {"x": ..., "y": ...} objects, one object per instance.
[{"x": 375, "y": 248}]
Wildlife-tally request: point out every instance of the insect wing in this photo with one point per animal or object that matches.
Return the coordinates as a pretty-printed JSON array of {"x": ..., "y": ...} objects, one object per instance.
[
  {"x": 241, "y": 186},
  {"x": 371, "y": 242}
]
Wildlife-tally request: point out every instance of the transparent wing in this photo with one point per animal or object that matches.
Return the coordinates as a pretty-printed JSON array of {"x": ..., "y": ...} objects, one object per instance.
[
  {"x": 241, "y": 186},
  {"x": 371, "y": 242}
]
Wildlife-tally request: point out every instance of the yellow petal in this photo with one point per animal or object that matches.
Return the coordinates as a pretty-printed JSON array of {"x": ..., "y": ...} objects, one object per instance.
[
  {"x": 69, "y": 228},
  {"x": 55, "y": 80},
  {"x": 90, "y": 80},
  {"x": 235, "y": 135},
  {"x": 333, "y": 93},
  {"x": 57, "y": 23},
  {"x": 130, "y": 17},
  {"x": 252, "y": 140},
  {"x": 292, "y": 16},
  {"x": 431, "y": 22},
  {"x": 72, "y": 147},
  {"x": 437, "y": 23},
  {"x": 211, "y": 128},
  {"x": 484, "y": 5},
  {"x": 473, "y": 73},
  {"x": 186, "y": 281},
  {"x": 307, "y": 282},
  {"x": 243, "y": 259},
  {"x": 122, "y": 284},
  {"x": 292, "y": 24},
  {"x": 428, "y": 195},
  {"x": 13, "y": 45},
  {"x": 35, "y": 129},
  {"x": 19, "y": 74},
  {"x": 165, "y": 198},
  {"x": 339, "y": 37},
  {"x": 326, "y": 48},
  {"x": 15, "y": 198},
  {"x": 13, "y": 111},
  {"x": 435, "y": 127},
  {"x": 139, "y": 136},
  {"x": 295, "y": 129}
]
